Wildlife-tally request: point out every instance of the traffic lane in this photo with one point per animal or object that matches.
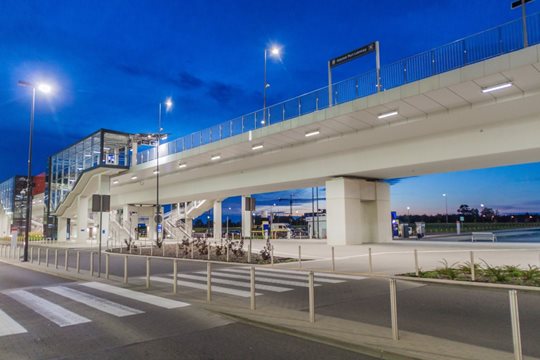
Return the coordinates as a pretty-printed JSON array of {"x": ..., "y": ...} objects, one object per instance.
[
  {"x": 233, "y": 341},
  {"x": 12, "y": 276},
  {"x": 469, "y": 315}
]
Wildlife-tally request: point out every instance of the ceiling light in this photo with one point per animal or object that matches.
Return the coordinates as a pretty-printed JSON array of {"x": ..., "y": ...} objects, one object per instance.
[
  {"x": 496, "y": 87},
  {"x": 155, "y": 172},
  {"x": 181, "y": 166},
  {"x": 313, "y": 133},
  {"x": 115, "y": 182},
  {"x": 215, "y": 157},
  {"x": 257, "y": 147},
  {"x": 389, "y": 114},
  {"x": 134, "y": 177}
]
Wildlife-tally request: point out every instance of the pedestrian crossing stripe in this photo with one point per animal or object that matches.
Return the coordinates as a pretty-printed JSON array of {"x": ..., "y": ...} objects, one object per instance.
[
  {"x": 8, "y": 326},
  {"x": 201, "y": 286},
  {"x": 260, "y": 278},
  {"x": 285, "y": 275}
]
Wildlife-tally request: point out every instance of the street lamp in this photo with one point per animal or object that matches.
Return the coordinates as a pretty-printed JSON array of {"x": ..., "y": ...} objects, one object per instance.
[
  {"x": 446, "y": 205},
  {"x": 408, "y": 214},
  {"x": 275, "y": 53},
  {"x": 168, "y": 105},
  {"x": 44, "y": 88}
]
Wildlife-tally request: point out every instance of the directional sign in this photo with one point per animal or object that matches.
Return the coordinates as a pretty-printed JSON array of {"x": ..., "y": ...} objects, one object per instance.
[
  {"x": 518, "y": 3},
  {"x": 364, "y": 50}
]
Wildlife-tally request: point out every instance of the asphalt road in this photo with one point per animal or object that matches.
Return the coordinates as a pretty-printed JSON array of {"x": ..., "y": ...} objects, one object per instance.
[{"x": 64, "y": 328}]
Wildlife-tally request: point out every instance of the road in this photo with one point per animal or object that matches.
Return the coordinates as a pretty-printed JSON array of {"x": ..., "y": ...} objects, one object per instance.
[{"x": 45, "y": 317}]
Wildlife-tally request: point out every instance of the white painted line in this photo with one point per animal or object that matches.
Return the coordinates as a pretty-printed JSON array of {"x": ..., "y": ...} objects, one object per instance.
[
  {"x": 317, "y": 274},
  {"x": 136, "y": 295},
  {"x": 284, "y": 275},
  {"x": 55, "y": 313},
  {"x": 261, "y": 279},
  {"x": 218, "y": 289},
  {"x": 8, "y": 326},
  {"x": 235, "y": 283},
  {"x": 95, "y": 302}
]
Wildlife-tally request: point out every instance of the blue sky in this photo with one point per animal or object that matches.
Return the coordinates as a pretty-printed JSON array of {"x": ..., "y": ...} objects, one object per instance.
[{"x": 112, "y": 62}]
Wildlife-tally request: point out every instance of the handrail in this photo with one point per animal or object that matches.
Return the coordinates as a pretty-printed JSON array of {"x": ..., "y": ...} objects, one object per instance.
[{"x": 481, "y": 46}]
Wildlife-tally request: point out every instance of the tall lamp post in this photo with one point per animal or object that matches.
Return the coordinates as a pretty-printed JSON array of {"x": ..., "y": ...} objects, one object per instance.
[
  {"x": 44, "y": 88},
  {"x": 168, "y": 105},
  {"x": 446, "y": 206},
  {"x": 274, "y": 52}
]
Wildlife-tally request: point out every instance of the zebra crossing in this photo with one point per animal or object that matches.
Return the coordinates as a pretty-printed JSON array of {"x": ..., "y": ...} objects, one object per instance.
[
  {"x": 233, "y": 281},
  {"x": 62, "y": 317}
]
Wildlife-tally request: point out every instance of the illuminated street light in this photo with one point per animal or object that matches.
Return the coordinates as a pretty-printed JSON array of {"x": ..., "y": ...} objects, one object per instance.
[
  {"x": 275, "y": 52},
  {"x": 446, "y": 205},
  {"x": 168, "y": 105},
  {"x": 44, "y": 88}
]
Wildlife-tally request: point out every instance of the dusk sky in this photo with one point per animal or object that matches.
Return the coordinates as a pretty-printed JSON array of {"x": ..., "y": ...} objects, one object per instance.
[{"x": 112, "y": 62}]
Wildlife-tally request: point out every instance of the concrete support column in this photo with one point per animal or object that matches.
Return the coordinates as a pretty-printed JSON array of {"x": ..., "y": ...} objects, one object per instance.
[
  {"x": 4, "y": 224},
  {"x": 217, "y": 220},
  {"x": 152, "y": 235},
  {"x": 358, "y": 211},
  {"x": 62, "y": 229},
  {"x": 246, "y": 219},
  {"x": 82, "y": 219},
  {"x": 104, "y": 188},
  {"x": 189, "y": 225},
  {"x": 134, "y": 151}
]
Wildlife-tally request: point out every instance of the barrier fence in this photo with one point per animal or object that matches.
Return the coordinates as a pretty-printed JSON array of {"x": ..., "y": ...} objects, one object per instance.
[{"x": 6, "y": 251}]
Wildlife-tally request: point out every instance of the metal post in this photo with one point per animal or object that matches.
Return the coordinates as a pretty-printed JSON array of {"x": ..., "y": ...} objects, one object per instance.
[
  {"x": 125, "y": 269},
  {"x": 56, "y": 258},
  {"x": 38, "y": 255},
  {"x": 31, "y": 254},
  {"x": 329, "y": 85},
  {"x": 29, "y": 179},
  {"x": 252, "y": 287},
  {"x": 272, "y": 255},
  {"x": 524, "y": 21},
  {"x": 249, "y": 251},
  {"x": 227, "y": 251},
  {"x": 175, "y": 276},
  {"x": 78, "y": 264},
  {"x": 46, "y": 257},
  {"x": 176, "y": 249},
  {"x": 370, "y": 261},
  {"x": 192, "y": 249},
  {"x": 416, "y": 269},
  {"x": 333, "y": 260},
  {"x": 311, "y": 281},
  {"x": 378, "y": 65},
  {"x": 151, "y": 249},
  {"x": 107, "y": 256},
  {"x": 300, "y": 256},
  {"x": 163, "y": 247},
  {"x": 209, "y": 282},
  {"x": 147, "y": 272},
  {"x": 516, "y": 332},
  {"x": 393, "y": 309},
  {"x": 473, "y": 270},
  {"x": 91, "y": 263},
  {"x": 208, "y": 247}
]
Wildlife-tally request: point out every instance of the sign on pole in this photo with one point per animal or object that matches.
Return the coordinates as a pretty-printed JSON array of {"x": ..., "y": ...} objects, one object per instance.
[
  {"x": 351, "y": 55},
  {"x": 518, "y": 3},
  {"x": 514, "y": 5},
  {"x": 101, "y": 204}
]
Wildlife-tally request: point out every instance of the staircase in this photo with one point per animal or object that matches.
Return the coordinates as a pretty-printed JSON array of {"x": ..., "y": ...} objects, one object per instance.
[{"x": 175, "y": 220}]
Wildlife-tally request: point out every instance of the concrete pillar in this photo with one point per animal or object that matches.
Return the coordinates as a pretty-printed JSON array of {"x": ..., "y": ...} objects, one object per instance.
[
  {"x": 152, "y": 234},
  {"x": 104, "y": 188},
  {"x": 217, "y": 220},
  {"x": 134, "y": 151},
  {"x": 62, "y": 229},
  {"x": 189, "y": 225},
  {"x": 4, "y": 223},
  {"x": 358, "y": 211},
  {"x": 246, "y": 219},
  {"x": 82, "y": 219}
]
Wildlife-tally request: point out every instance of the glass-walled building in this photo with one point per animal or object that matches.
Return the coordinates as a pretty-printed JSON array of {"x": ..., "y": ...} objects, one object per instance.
[
  {"x": 13, "y": 200},
  {"x": 104, "y": 148}
]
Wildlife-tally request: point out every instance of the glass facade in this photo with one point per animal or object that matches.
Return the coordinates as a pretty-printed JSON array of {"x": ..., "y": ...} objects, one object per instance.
[
  {"x": 13, "y": 199},
  {"x": 104, "y": 148}
]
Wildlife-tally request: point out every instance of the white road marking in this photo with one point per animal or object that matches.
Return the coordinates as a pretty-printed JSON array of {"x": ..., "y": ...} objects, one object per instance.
[
  {"x": 55, "y": 313},
  {"x": 95, "y": 302},
  {"x": 318, "y": 275},
  {"x": 218, "y": 289},
  {"x": 261, "y": 279},
  {"x": 8, "y": 326},
  {"x": 136, "y": 295},
  {"x": 284, "y": 275},
  {"x": 235, "y": 283}
]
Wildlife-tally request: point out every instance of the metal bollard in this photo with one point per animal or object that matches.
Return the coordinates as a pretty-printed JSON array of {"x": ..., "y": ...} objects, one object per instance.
[
  {"x": 393, "y": 309},
  {"x": 516, "y": 332},
  {"x": 140, "y": 249},
  {"x": 333, "y": 260},
  {"x": 252, "y": 287},
  {"x": 249, "y": 251},
  {"x": 300, "y": 256},
  {"x": 272, "y": 255},
  {"x": 227, "y": 251},
  {"x": 56, "y": 258},
  {"x": 78, "y": 263},
  {"x": 125, "y": 269},
  {"x": 175, "y": 276},
  {"x": 208, "y": 250},
  {"x": 416, "y": 269},
  {"x": 192, "y": 249},
  {"x": 130, "y": 249},
  {"x": 311, "y": 281},
  {"x": 176, "y": 249},
  {"x": 163, "y": 248},
  {"x": 32, "y": 255},
  {"x": 148, "y": 272},
  {"x": 107, "y": 256},
  {"x": 209, "y": 282},
  {"x": 370, "y": 264},
  {"x": 47, "y": 257},
  {"x": 39, "y": 256},
  {"x": 473, "y": 270},
  {"x": 91, "y": 263},
  {"x": 66, "y": 260},
  {"x": 152, "y": 250}
]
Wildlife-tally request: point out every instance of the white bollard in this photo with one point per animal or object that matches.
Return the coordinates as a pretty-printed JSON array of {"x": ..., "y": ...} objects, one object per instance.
[
  {"x": 311, "y": 281},
  {"x": 56, "y": 258},
  {"x": 208, "y": 250},
  {"x": 300, "y": 256},
  {"x": 32, "y": 255},
  {"x": 125, "y": 269},
  {"x": 333, "y": 260},
  {"x": 78, "y": 262},
  {"x": 66, "y": 260},
  {"x": 416, "y": 269},
  {"x": 107, "y": 256},
  {"x": 47, "y": 257},
  {"x": 473, "y": 270},
  {"x": 175, "y": 276},
  {"x": 370, "y": 261},
  {"x": 393, "y": 309},
  {"x": 91, "y": 263},
  {"x": 227, "y": 251},
  {"x": 176, "y": 249},
  {"x": 516, "y": 332},
  {"x": 272, "y": 255},
  {"x": 252, "y": 287},
  {"x": 249, "y": 251},
  {"x": 39, "y": 256},
  {"x": 192, "y": 249},
  {"x": 148, "y": 272},
  {"x": 163, "y": 248},
  {"x": 209, "y": 282}
]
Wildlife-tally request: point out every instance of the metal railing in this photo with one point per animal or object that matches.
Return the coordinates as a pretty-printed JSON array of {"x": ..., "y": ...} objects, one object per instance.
[{"x": 478, "y": 47}]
